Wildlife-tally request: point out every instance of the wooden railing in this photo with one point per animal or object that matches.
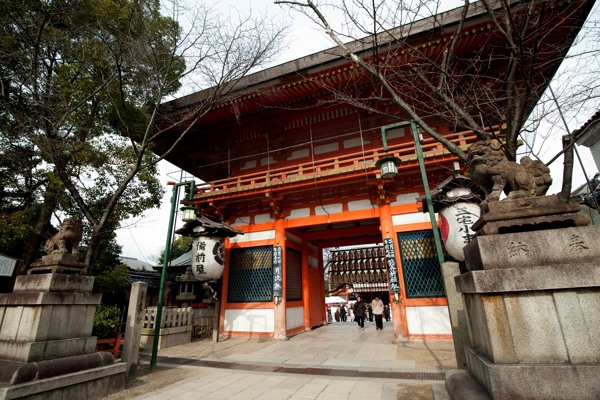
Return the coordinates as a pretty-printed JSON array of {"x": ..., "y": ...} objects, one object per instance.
[
  {"x": 346, "y": 164},
  {"x": 172, "y": 317}
]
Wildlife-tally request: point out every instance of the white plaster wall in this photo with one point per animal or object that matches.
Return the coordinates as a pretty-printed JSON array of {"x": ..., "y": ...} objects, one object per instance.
[
  {"x": 300, "y": 213},
  {"x": 328, "y": 209},
  {"x": 249, "y": 165},
  {"x": 313, "y": 262},
  {"x": 428, "y": 320},
  {"x": 412, "y": 218},
  {"x": 408, "y": 198},
  {"x": 359, "y": 205},
  {"x": 267, "y": 161},
  {"x": 248, "y": 237},
  {"x": 242, "y": 220},
  {"x": 327, "y": 148},
  {"x": 395, "y": 133},
  {"x": 293, "y": 238},
  {"x": 294, "y": 317},
  {"x": 249, "y": 320},
  {"x": 261, "y": 218},
  {"x": 591, "y": 139},
  {"x": 299, "y": 154},
  {"x": 595, "y": 149},
  {"x": 356, "y": 142}
]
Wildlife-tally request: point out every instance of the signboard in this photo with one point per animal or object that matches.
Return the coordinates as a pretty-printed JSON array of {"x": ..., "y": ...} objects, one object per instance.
[
  {"x": 390, "y": 258},
  {"x": 277, "y": 272},
  {"x": 208, "y": 258},
  {"x": 7, "y": 265}
]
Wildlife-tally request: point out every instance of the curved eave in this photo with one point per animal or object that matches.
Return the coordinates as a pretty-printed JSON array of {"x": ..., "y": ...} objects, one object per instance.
[{"x": 308, "y": 77}]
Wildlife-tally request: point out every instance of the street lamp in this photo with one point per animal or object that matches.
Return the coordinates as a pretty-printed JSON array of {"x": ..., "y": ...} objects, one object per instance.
[
  {"x": 388, "y": 165},
  {"x": 189, "y": 213}
]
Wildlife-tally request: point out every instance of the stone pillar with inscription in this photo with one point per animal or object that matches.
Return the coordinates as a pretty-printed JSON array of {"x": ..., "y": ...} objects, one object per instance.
[
  {"x": 531, "y": 298},
  {"x": 135, "y": 321}
]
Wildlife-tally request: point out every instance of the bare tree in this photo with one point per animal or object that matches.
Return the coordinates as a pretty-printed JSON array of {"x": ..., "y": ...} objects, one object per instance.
[
  {"x": 84, "y": 82},
  {"x": 475, "y": 75}
]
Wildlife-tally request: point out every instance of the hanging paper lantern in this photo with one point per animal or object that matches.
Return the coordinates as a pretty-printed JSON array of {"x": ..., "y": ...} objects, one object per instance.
[
  {"x": 455, "y": 224},
  {"x": 208, "y": 258}
]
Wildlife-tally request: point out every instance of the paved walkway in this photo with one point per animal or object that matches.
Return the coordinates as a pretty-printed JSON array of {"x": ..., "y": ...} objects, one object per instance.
[{"x": 337, "y": 361}]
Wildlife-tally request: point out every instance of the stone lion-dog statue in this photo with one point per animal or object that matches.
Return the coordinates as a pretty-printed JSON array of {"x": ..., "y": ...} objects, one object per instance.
[
  {"x": 490, "y": 169},
  {"x": 66, "y": 241}
]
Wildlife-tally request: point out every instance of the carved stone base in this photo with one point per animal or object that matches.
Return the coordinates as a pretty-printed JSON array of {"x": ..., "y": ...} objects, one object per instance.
[
  {"x": 58, "y": 264},
  {"x": 529, "y": 214},
  {"x": 531, "y": 305},
  {"x": 48, "y": 316},
  {"x": 525, "y": 381}
]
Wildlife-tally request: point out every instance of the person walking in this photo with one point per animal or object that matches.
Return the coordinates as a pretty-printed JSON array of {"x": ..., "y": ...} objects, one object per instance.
[
  {"x": 343, "y": 312},
  {"x": 386, "y": 312},
  {"x": 359, "y": 312},
  {"x": 377, "y": 305}
]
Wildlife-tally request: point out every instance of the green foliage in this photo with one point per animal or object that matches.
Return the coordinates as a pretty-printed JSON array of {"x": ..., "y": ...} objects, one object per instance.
[
  {"x": 78, "y": 77},
  {"x": 107, "y": 322},
  {"x": 179, "y": 247},
  {"x": 82, "y": 83},
  {"x": 113, "y": 285}
]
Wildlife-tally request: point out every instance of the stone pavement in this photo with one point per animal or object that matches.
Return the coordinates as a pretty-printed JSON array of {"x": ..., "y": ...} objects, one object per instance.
[{"x": 337, "y": 361}]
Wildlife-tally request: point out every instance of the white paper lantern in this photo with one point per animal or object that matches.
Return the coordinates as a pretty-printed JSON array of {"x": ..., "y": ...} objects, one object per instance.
[
  {"x": 455, "y": 225},
  {"x": 208, "y": 258}
]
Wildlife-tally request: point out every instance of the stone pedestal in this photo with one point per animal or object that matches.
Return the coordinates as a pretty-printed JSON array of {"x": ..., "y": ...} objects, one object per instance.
[
  {"x": 531, "y": 301},
  {"x": 58, "y": 264},
  {"x": 46, "y": 342},
  {"x": 48, "y": 316}
]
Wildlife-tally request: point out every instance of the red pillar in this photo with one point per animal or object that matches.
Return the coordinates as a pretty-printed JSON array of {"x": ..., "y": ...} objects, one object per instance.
[
  {"x": 397, "y": 308},
  {"x": 321, "y": 297},
  {"x": 280, "y": 325}
]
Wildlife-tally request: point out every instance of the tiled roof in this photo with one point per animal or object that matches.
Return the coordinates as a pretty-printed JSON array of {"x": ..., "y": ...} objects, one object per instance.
[{"x": 136, "y": 265}]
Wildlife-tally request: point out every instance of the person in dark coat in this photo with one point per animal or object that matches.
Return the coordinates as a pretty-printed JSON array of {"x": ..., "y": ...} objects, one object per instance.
[
  {"x": 386, "y": 312},
  {"x": 359, "y": 312}
]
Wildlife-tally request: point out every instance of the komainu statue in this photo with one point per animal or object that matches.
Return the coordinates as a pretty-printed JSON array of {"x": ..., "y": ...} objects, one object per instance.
[
  {"x": 66, "y": 241},
  {"x": 490, "y": 169}
]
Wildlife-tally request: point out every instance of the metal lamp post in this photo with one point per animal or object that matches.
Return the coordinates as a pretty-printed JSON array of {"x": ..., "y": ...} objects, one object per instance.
[
  {"x": 381, "y": 163},
  {"x": 189, "y": 214}
]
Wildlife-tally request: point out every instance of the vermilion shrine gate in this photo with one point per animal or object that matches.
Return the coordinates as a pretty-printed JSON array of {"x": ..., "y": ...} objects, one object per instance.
[{"x": 296, "y": 171}]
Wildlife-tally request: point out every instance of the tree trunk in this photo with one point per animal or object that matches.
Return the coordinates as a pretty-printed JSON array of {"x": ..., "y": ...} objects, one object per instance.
[
  {"x": 41, "y": 227},
  {"x": 92, "y": 250}
]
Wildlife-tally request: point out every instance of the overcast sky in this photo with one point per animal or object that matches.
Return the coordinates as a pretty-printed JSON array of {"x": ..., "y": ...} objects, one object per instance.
[{"x": 144, "y": 238}]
